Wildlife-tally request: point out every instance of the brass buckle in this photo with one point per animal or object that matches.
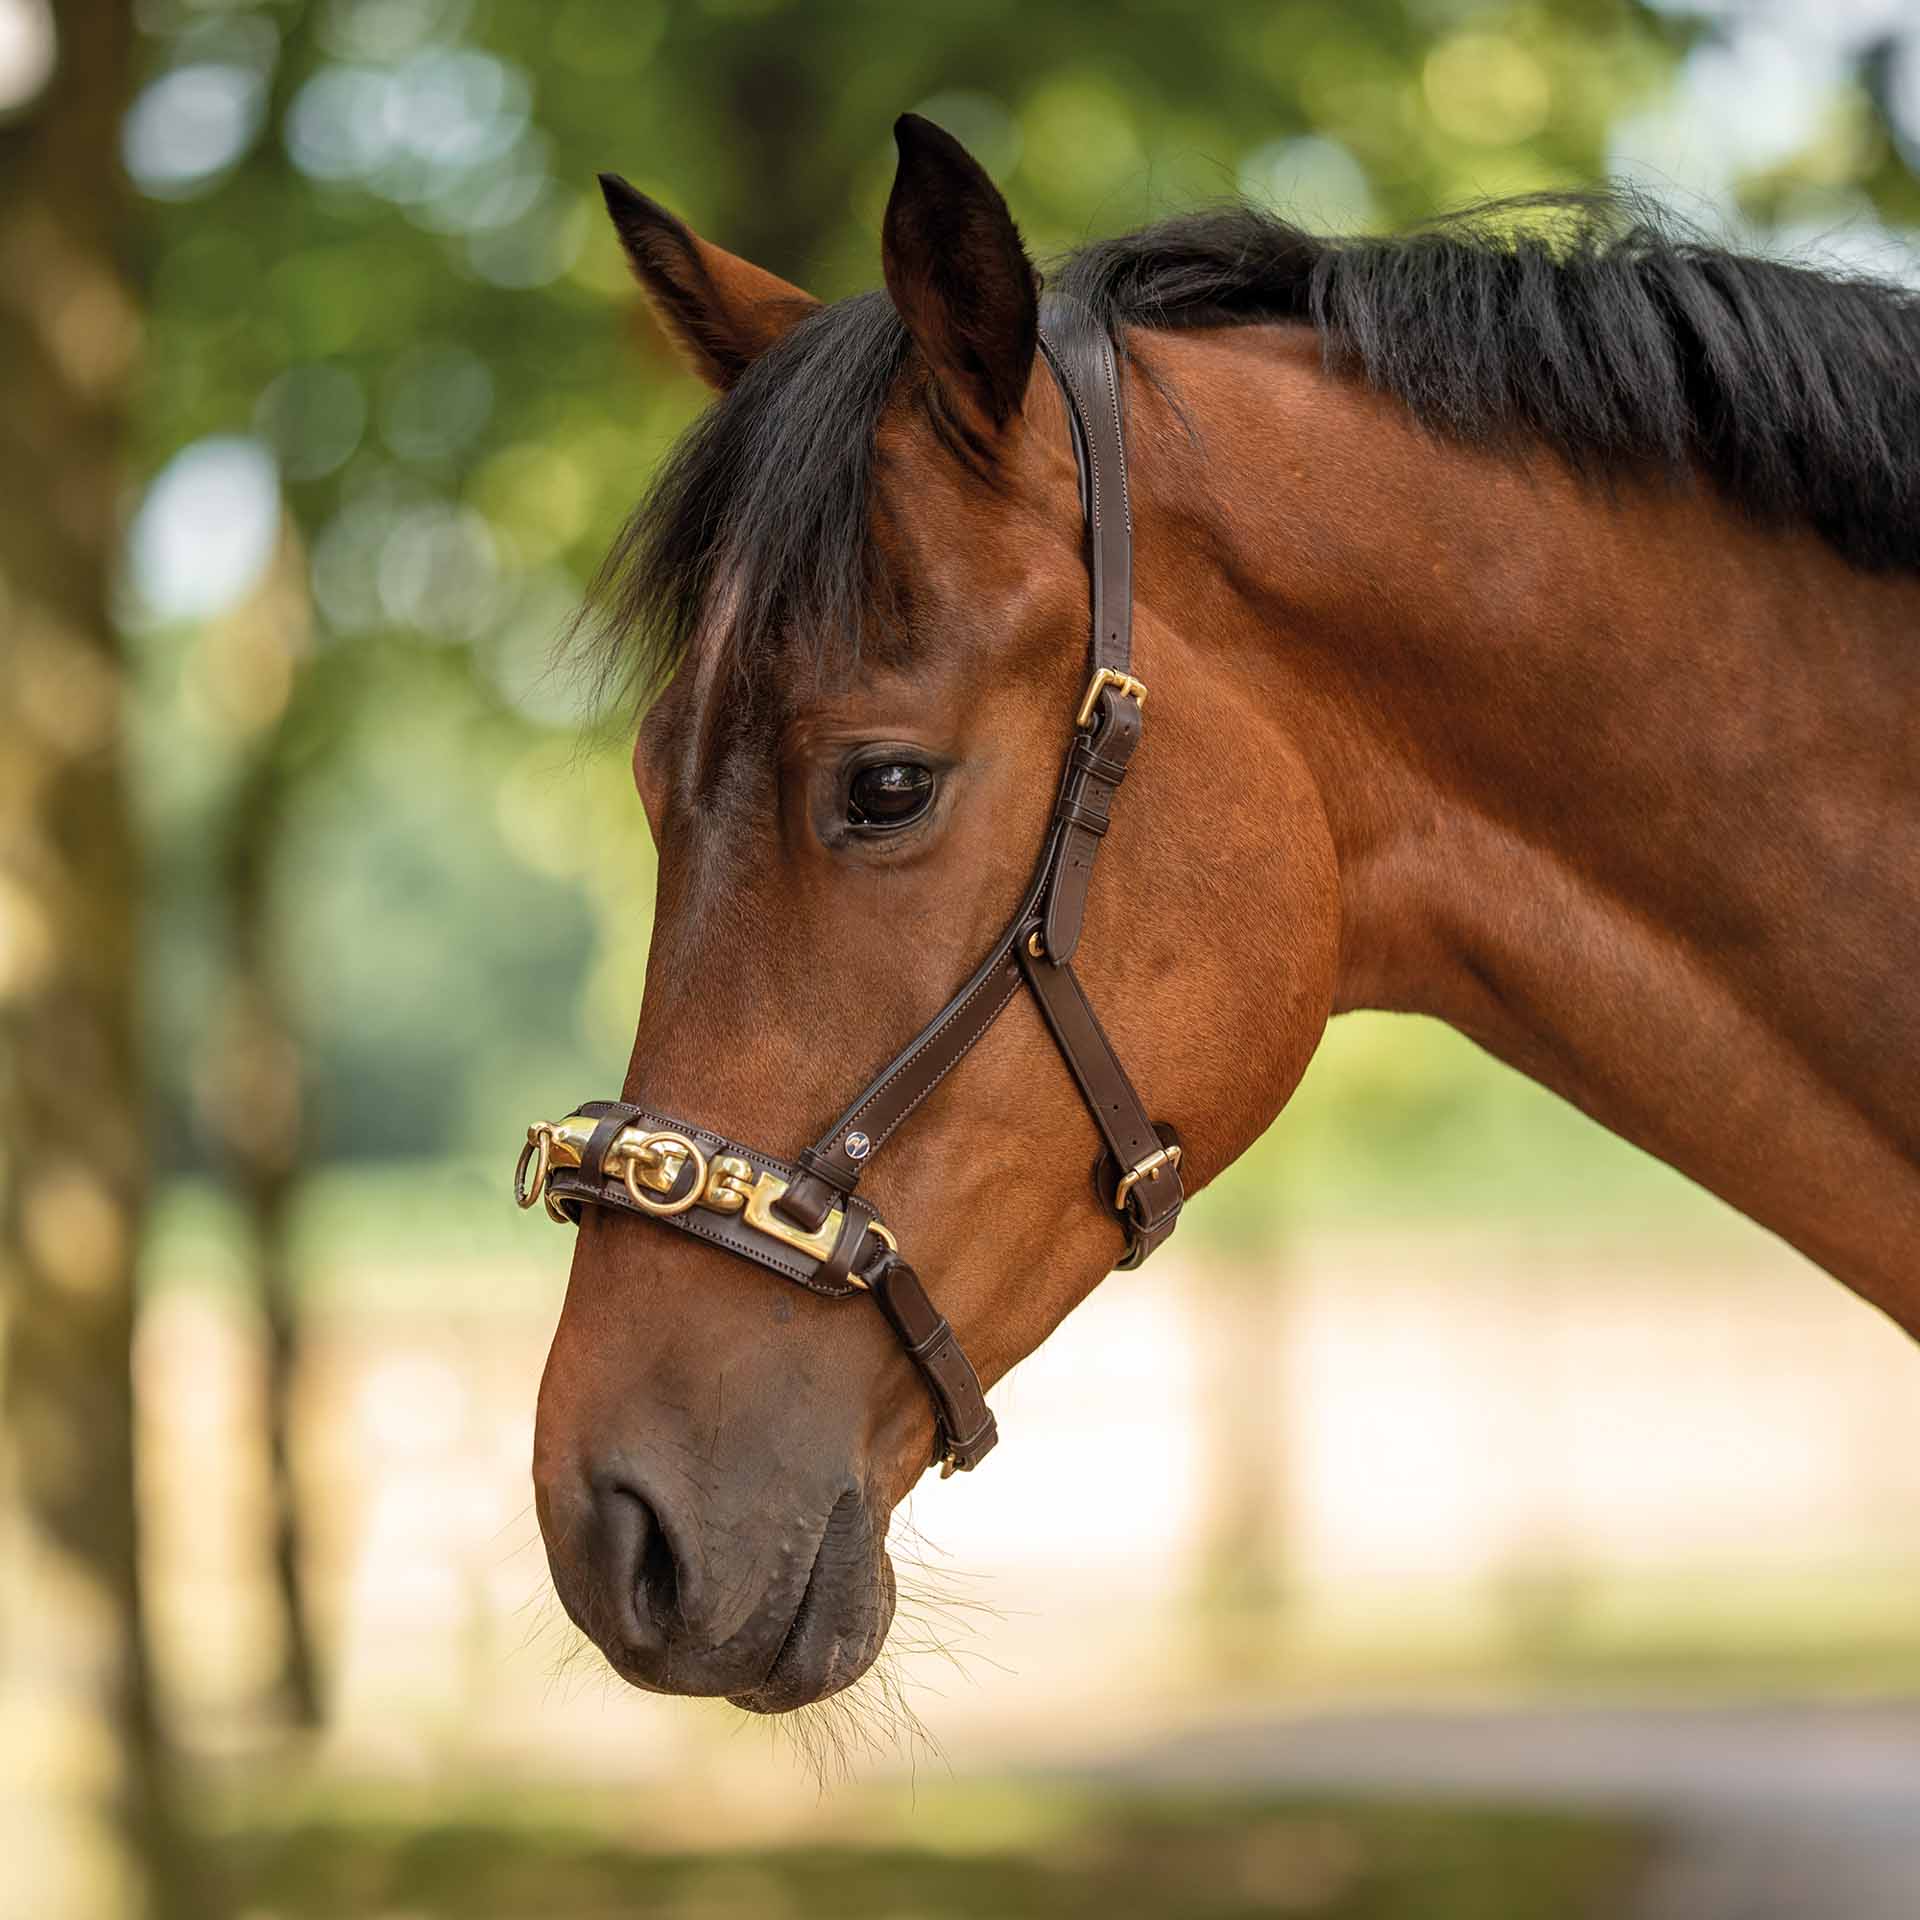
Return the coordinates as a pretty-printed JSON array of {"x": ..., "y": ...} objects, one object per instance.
[
  {"x": 821, "y": 1242},
  {"x": 1148, "y": 1169},
  {"x": 1123, "y": 684}
]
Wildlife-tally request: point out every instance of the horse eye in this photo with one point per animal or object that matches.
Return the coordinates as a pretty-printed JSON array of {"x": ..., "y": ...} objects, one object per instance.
[{"x": 889, "y": 796}]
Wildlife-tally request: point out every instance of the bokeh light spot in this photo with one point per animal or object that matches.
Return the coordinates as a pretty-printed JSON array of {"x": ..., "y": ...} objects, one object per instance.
[
  {"x": 434, "y": 402},
  {"x": 437, "y": 573},
  {"x": 26, "y": 941},
  {"x": 389, "y": 29},
  {"x": 1487, "y": 89},
  {"x": 190, "y": 126},
  {"x": 524, "y": 661},
  {"x": 1312, "y": 180},
  {"x": 1080, "y": 143},
  {"x": 337, "y": 126},
  {"x": 535, "y": 249},
  {"x": 540, "y": 496},
  {"x": 345, "y": 557},
  {"x": 206, "y": 530},
  {"x": 313, "y": 417},
  {"x": 29, "y": 50},
  {"x": 408, "y": 132}
]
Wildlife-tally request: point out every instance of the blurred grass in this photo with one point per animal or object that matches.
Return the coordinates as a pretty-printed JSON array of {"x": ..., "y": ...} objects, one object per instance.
[{"x": 1071, "y": 1855}]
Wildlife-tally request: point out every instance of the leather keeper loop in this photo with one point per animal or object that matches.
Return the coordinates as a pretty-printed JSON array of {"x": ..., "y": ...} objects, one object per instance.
[
  {"x": 1089, "y": 760},
  {"x": 825, "y": 1167},
  {"x": 965, "y": 1430},
  {"x": 807, "y": 1202},
  {"x": 942, "y": 1331},
  {"x": 1084, "y": 817},
  {"x": 612, "y": 1123},
  {"x": 839, "y": 1263}
]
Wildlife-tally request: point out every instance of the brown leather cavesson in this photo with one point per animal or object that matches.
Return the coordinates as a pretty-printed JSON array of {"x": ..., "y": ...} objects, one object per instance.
[{"x": 804, "y": 1221}]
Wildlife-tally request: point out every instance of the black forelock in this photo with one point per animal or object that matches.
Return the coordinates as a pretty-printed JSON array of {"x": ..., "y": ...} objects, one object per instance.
[
  {"x": 1590, "y": 322},
  {"x": 760, "y": 520}
]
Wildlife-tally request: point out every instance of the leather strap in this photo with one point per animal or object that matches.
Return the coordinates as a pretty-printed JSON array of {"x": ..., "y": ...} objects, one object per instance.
[
  {"x": 614, "y": 1120},
  {"x": 1096, "y": 765},
  {"x": 1079, "y": 353},
  {"x": 1153, "y": 1202},
  {"x": 838, "y": 1158},
  {"x": 969, "y": 1428},
  {"x": 840, "y": 1155}
]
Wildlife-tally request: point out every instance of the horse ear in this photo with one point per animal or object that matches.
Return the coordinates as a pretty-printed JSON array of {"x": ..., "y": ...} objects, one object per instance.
[
  {"x": 722, "y": 312},
  {"x": 959, "y": 276}
]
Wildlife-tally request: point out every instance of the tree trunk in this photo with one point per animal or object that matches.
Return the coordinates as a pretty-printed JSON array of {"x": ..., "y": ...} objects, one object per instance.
[
  {"x": 1240, "y": 1590},
  {"x": 82, "y": 1833},
  {"x": 261, "y": 1087}
]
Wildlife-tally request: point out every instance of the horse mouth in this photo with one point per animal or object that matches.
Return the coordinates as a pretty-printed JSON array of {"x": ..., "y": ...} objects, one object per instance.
[{"x": 839, "y": 1625}]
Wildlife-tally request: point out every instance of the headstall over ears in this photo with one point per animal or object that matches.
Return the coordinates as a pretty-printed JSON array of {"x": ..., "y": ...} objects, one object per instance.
[{"x": 803, "y": 1220}]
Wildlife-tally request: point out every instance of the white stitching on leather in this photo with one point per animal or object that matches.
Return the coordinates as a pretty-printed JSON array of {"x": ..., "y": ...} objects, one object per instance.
[{"x": 957, "y": 1058}]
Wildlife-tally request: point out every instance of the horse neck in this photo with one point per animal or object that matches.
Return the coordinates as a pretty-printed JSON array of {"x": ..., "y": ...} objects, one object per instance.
[{"x": 1619, "y": 785}]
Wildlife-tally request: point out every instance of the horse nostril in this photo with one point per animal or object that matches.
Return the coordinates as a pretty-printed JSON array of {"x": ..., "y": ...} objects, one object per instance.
[
  {"x": 641, "y": 1567},
  {"x": 657, "y": 1579}
]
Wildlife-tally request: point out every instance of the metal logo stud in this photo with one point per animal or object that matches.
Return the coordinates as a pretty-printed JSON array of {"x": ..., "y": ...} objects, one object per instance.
[{"x": 858, "y": 1146}]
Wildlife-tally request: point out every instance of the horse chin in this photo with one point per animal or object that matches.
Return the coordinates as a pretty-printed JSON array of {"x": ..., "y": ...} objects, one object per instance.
[{"x": 837, "y": 1632}]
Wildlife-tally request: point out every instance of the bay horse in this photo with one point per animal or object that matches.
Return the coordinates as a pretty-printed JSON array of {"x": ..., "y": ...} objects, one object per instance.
[{"x": 1530, "y": 609}]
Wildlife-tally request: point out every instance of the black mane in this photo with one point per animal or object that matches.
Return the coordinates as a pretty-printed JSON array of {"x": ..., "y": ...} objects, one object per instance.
[{"x": 1591, "y": 323}]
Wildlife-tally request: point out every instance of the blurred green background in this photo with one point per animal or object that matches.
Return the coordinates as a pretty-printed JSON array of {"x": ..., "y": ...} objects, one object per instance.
[{"x": 317, "y": 881}]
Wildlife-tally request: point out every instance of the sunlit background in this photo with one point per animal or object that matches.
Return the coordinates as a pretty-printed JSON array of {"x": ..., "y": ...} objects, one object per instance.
[{"x": 1463, "y": 1518}]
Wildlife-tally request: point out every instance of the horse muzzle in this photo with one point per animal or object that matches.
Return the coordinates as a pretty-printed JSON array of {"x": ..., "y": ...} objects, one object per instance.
[{"x": 652, "y": 1577}]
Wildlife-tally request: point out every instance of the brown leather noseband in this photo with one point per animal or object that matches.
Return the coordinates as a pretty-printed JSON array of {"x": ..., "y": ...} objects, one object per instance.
[{"x": 804, "y": 1221}]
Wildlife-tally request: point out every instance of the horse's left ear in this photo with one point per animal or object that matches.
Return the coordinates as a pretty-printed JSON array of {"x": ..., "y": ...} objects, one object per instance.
[
  {"x": 959, "y": 276},
  {"x": 723, "y": 312}
]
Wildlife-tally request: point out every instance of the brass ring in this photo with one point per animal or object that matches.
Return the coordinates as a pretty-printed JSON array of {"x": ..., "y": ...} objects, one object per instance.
[
  {"x": 664, "y": 1209},
  {"x": 539, "y": 1145}
]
